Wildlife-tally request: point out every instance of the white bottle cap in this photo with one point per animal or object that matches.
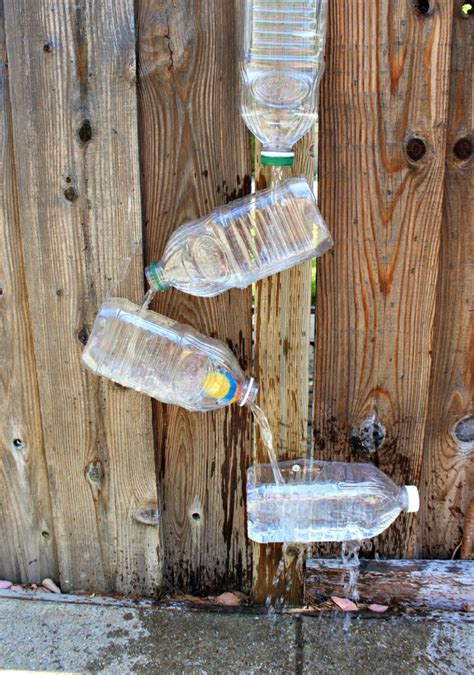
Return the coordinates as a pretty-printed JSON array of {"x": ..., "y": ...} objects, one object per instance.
[{"x": 413, "y": 498}]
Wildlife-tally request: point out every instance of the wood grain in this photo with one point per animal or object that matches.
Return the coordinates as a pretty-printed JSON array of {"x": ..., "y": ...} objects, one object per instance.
[
  {"x": 421, "y": 584},
  {"x": 448, "y": 468},
  {"x": 28, "y": 549},
  {"x": 72, "y": 69},
  {"x": 386, "y": 83},
  {"x": 195, "y": 155},
  {"x": 282, "y": 344}
]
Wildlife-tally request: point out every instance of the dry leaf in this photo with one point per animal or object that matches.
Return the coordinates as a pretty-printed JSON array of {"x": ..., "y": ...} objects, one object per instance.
[
  {"x": 5, "y": 584},
  {"x": 50, "y": 586},
  {"x": 228, "y": 599},
  {"x": 345, "y": 604},
  {"x": 380, "y": 609}
]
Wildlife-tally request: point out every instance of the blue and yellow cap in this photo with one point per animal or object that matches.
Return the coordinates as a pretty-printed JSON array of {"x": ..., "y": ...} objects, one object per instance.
[{"x": 221, "y": 385}]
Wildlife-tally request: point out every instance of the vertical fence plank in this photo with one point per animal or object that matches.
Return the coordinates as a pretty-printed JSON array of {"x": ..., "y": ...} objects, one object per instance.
[
  {"x": 383, "y": 137},
  {"x": 282, "y": 343},
  {"x": 72, "y": 68},
  {"x": 28, "y": 552},
  {"x": 195, "y": 155},
  {"x": 449, "y": 438}
]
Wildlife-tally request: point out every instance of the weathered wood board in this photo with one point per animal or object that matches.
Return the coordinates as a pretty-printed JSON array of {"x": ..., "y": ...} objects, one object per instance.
[
  {"x": 72, "y": 75},
  {"x": 382, "y": 160},
  {"x": 27, "y": 550},
  {"x": 421, "y": 584},
  {"x": 194, "y": 156},
  {"x": 448, "y": 461}
]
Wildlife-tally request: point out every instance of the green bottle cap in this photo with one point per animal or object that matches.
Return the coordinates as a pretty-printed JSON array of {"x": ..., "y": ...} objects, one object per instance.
[{"x": 275, "y": 158}]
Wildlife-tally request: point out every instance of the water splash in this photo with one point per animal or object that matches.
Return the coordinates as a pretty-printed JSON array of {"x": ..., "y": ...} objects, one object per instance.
[{"x": 267, "y": 438}]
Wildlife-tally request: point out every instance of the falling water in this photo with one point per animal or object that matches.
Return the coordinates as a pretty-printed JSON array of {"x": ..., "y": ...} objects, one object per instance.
[
  {"x": 150, "y": 294},
  {"x": 291, "y": 564},
  {"x": 267, "y": 438},
  {"x": 350, "y": 558}
]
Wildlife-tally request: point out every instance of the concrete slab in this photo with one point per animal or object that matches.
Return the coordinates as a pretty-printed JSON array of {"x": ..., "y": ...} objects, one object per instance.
[
  {"x": 356, "y": 646},
  {"x": 83, "y": 638},
  {"x": 65, "y": 637}
]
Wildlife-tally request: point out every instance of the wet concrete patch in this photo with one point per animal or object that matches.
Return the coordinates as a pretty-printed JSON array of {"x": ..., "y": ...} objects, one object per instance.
[
  {"x": 58, "y": 636},
  {"x": 358, "y": 646}
]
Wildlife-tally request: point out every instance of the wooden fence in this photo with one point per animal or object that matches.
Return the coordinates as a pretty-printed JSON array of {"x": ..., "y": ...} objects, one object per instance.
[{"x": 120, "y": 121}]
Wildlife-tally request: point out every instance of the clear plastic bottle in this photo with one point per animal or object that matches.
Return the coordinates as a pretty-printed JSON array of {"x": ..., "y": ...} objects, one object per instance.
[
  {"x": 247, "y": 240},
  {"x": 323, "y": 501},
  {"x": 164, "y": 359},
  {"x": 282, "y": 65}
]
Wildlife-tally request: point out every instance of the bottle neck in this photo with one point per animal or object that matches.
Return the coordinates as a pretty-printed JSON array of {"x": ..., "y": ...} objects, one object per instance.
[
  {"x": 249, "y": 392},
  {"x": 156, "y": 277}
]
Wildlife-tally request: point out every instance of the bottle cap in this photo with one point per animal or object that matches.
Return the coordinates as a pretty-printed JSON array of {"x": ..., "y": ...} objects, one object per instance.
[
  {"x": 413, "y": 499},
  {"x": 277, "y": 158},
  {"x": 221, "y": 385},
  {"x": 155, "y": 277}
]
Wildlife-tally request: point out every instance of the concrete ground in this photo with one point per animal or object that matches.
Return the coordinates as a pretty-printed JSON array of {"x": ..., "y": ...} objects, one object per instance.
[{"x": 42, "y": 635}]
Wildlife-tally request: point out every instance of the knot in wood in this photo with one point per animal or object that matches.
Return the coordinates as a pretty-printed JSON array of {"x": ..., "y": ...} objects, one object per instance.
[
  {"x": 415, "y": 148},
  {"x": 463, "y": 433},
  {"x": 368, "y": 438},
  {"x": 462, "y": 149},
  {"x": 148, "y": 514}
]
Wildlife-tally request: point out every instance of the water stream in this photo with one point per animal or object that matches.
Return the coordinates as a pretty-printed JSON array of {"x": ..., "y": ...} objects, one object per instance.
[
  {"x": 150, "y": 294},
  {"x": 350, "y": 558},
  {"x": 267, "y": 438}
]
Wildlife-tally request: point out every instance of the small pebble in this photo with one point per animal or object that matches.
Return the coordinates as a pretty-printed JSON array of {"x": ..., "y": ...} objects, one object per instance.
[
  {"x": 5, "y": 584},
  {"x": 50, "y": 586},
  {"x": 228, "y": 599},
  {"x": 345, "y": 604},
  {"x": 380, "y": 609}
]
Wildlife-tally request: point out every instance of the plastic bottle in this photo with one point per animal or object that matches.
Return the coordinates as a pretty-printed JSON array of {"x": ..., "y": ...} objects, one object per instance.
[
  {"x": 323, "y": 501},
  {"x": 162, "y": 358},
  {"x": 242, "y": 242},
  {"x": 282, "y": 65}
]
